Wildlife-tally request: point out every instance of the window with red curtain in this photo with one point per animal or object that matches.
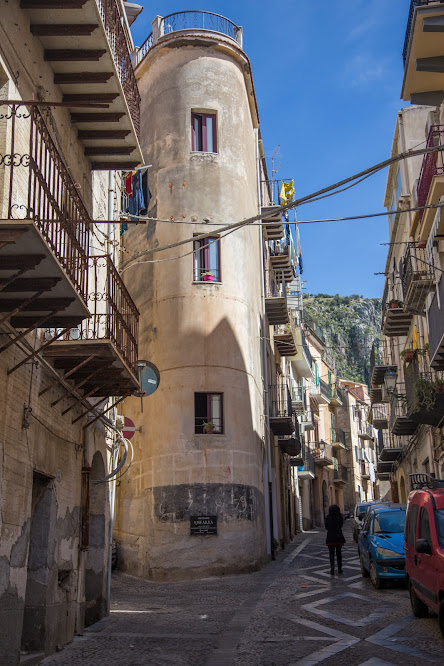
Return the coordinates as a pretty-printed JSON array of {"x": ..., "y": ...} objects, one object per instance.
[
  {"x": 207, "y": 259},
  {"x": 203, "y": 132}
]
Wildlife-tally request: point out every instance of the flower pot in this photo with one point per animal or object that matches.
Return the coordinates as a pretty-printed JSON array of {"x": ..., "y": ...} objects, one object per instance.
[
  {"x": 394, "y": 305},
  {"x": 208, "y": 278},
  {"x": 208, "y": 428},
  {"x": 409, "y": 356}
]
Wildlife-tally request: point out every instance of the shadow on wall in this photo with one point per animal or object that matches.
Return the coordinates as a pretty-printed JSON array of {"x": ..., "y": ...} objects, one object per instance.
[
  {"x": 95, "y": 571},
  {"x": 232, "y": 491}
]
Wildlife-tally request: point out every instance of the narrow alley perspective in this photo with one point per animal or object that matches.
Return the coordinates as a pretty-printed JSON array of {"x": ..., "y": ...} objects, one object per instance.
[{"x": 292, "y": 612}]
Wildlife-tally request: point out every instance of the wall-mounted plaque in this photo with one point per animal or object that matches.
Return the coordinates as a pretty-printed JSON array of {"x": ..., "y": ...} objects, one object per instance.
[{"x": 203, "y": 524}]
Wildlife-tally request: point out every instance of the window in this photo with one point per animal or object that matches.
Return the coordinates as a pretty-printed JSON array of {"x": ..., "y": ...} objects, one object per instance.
[
  {"x": 207, "y": 260},
  {"x": 208, "y": 413},
  {"x": 413, "y": 515},
  {"x": 424, "y": 526},
  {"x": 203, "y": 132}
]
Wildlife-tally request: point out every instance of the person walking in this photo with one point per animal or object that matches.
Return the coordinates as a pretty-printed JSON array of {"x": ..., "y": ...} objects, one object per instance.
[{"x": 335, "y": 539}]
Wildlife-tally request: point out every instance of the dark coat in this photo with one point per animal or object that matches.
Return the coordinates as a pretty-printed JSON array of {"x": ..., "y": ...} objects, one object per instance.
[{"x": 333, "y": 525}]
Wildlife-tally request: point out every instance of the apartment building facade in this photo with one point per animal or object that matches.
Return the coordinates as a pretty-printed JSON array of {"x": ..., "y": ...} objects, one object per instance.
[
  {"x": 68, "y": 326},
  {"x": 407, "y": 370}
]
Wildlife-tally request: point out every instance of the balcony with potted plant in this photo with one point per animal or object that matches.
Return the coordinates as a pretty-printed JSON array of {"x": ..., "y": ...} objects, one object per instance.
[{"x": 425, "y": 394}]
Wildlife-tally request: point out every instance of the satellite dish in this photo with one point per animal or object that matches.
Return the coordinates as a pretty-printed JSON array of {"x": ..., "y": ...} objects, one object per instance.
[{"x": 149, "y": 378}]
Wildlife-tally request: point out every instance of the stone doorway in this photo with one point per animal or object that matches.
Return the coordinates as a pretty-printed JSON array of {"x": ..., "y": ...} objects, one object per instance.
[{"x": 95, "y": 570}]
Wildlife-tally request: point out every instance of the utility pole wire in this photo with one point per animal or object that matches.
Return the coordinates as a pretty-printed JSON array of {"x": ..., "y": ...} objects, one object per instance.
[{"x": 281, "y": 209}]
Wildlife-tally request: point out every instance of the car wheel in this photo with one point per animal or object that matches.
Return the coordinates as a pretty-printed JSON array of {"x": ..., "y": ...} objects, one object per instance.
[
  {"x": 376, "y": 581},
  {"x": 364, "y": 571},
  {"x": 441, "y": 617},
  {"x": 419, "y": 609}
]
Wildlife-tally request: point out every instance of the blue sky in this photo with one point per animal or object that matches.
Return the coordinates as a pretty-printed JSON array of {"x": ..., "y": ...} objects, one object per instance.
[{"x": 328, "y": 77}]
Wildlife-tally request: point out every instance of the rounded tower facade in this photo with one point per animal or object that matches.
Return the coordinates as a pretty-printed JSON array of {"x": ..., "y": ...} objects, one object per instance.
[{"x": 200, "y": 452}]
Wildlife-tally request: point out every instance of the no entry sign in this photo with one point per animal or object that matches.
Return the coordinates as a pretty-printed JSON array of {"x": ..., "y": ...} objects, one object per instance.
[{"x": 129, "y": 428}]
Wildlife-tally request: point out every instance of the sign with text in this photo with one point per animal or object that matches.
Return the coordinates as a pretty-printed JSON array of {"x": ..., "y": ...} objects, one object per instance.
[{"x": 203, "y": 524}]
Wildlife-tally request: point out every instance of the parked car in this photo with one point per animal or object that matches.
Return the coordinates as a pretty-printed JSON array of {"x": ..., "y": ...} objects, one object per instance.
[
  {"x": 358, "y": 516},
  {"x": 381, "y": 544},
  {"x": 424, "y": 546}
]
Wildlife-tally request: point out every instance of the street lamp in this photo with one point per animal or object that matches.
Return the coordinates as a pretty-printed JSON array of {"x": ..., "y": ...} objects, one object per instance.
[{"x": 390, "y": 378}]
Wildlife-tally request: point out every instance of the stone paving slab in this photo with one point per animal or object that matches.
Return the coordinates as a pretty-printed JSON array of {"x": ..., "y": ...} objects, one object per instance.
[{"x": 292, "y": 612}]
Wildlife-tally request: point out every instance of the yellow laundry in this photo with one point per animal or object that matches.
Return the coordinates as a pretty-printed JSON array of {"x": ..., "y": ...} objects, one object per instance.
[{"x": 287, "y": 192}]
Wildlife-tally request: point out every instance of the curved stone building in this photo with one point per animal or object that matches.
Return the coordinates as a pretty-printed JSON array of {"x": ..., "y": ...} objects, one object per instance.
[{"x": 200, "y": 451}]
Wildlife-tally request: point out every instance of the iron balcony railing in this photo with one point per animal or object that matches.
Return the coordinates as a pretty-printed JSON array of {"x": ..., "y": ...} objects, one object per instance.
[
  {"x": 435, "y": 316},
  {"x": 339, "y": 436},
  {"x": 380, "y": 412},
  {"x": 275, "y": 286},
  {"x": 425, "y": 393},
  {"x": 280, "y": 400},
  {"x": 413, "y": 5},
  {"x": 432, "y": 165},
  {"x": 322, "y": 450},
  {"x": 339, "y": 471},
  {"x": 398, "y": 403},
  {"x": 190, "y": 20},
  {"x": 297, "y": 391},
  {"x": 336, "y": 392},
  {"x": 114, "y": 315},
  {"x": 37, "y": 185},
  {"x": 326, "y": 389},
  {"x": 271, "y": 192},
  {"x": 310, "y": 323},
  {"x": 306, "y": 349},
  {"x": 309, "y": 463},
  {"x": 416, "y": 267},
  {"x": 113, "y": 23}
]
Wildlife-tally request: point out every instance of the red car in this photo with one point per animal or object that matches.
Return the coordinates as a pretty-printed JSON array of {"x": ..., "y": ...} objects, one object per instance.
[{"x": 424, "y": 546}]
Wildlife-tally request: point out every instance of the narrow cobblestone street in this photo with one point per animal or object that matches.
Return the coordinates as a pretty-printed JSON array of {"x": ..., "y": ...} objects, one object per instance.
[{"x": 292, "y": 612}]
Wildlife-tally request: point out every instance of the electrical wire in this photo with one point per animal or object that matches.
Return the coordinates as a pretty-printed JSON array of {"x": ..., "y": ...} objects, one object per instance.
[{"x": 64, "y": 439}]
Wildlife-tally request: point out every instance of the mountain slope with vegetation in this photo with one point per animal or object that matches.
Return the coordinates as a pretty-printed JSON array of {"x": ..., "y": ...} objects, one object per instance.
[{"x": 349, "y": 324}]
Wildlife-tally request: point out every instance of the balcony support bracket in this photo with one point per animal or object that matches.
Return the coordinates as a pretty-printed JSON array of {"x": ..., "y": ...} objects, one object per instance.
[
  {"x": 36, "y": 351},
  {"x": 69, "y": 373}
]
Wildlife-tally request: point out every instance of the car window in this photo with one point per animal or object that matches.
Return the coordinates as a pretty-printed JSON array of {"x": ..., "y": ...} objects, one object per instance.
[
  {"x": 389, "y": 522},
  {"x": 366, "y": 523},
  {"x": 413, "y": 516},
  {"x": 424, "y": 526},
  {"x": 361, "y": 511},
  {"x": 439, "y": 520}
]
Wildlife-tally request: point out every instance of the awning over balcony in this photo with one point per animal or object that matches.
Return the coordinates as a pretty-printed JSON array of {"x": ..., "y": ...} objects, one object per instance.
[{"x": 85, "y": 42}]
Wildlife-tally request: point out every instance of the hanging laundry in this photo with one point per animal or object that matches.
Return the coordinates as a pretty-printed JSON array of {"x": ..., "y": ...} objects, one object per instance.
[
  {"x": 129, "y": 184},
  {"x": 287, "y": 192},
  {"x": 136, "y": 202},
  {"x": 145, "y": 191},
  {"x": 298, "y": 247}
]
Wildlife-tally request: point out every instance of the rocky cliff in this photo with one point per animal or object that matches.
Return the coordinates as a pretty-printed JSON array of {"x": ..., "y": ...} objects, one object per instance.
[{"x": 349, "y": 325}]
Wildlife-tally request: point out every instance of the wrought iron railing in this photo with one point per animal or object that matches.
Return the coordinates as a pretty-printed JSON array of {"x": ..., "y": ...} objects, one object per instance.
[
  {"x": 326, "y": 389},
  {"x": 322, "y": 451},
  {"x": 340, "y": 436},
  {"x": 37, "y": 185},
  {"x": 432, "y": 165},
  {"x": 112, "y": 21},
  {"x": 114, "y": 315},
  {"x": 275, "y": 286},
  {"x": 340, "y": 472},
  {"x": 435, "y": 316},
  {"x": 280, "y": 400},
  {"x": 191, "y": 20},
  {"x": 337, "y": 393},
  {"x": 413, "y": 5},
  {"x": 417, "y": 267},
  {"x": 398, "y": 403},
  {"x": 306, "y": 349},
  {"x": 309, "y": 463},
  {"x": 297, "y": 391},
  {"x": 380, "y": 412},
  {"x": 310, "y": 323}
]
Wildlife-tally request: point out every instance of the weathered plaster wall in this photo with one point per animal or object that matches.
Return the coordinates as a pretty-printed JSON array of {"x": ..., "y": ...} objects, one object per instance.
[{"x": 202, "y": 337}]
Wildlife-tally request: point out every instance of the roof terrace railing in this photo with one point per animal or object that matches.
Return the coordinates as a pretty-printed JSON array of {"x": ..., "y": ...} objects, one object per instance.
[
  {"x": 189, "y": 20},
  {"x": 413, "y": 5},
  {"x": 38, "y": 186}
]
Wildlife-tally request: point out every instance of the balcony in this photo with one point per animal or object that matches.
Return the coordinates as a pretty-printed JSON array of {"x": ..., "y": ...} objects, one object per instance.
[
  {"x": 297, "y": 397},
  {"x": 285, "y": 337},
  {"x": 281, "y": 260},
  {"x": 430, "y": 187},
  {"x": 338, "y": 438},
  {"x": 336, "y": 397},
  {"x": 435, "y": 318},
  {"x": 86, "y": 45},
  {"x": 364, "y": 471},
  {"x": 100, "y": 354},
  {"x": 418, "y": 278},
  {"x": 291, "y": 445},
  {"x": 323, "y": 454},
  {"x": 307, "y": 472},
  {"x": 423, "y": 52},
  {"x": 365, "y": 431},
  {"x": 384, "y": 470},
  {"x": 281, "y": 413},
  {"x": 380, "y": 363},
  {"x": 396, "y": 318},
  {"x": 302, "y": 361},
  {"x": 379, "y": 416},
  {"x": 340, "y": 473},
  {"x": 389, "y": 446},
  {"x": 270, "y": 202},
  {"x": 400, "y": 423},
  {"x": 313, "y": 326},
  {"x": 276, "y": 307},
  {"x": 321, "y": 392},
  {"x": 306, "y": 420},
  {"x": 189, "y": 22},
  {"x": 425, "y": 395},
  {"x": 44, "y": 228}
]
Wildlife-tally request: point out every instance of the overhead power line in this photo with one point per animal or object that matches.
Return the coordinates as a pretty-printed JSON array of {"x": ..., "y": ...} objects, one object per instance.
[{"x": 297, "y": 202}]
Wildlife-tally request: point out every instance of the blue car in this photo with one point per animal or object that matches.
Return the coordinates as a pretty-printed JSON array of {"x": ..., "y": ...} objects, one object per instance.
[{"x": 381, "y": 544}]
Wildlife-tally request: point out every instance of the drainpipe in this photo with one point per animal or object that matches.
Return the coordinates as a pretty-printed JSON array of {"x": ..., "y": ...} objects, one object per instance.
[
  {"x": 112, "y": 501},
  {"x": 270, "y": 498}
]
